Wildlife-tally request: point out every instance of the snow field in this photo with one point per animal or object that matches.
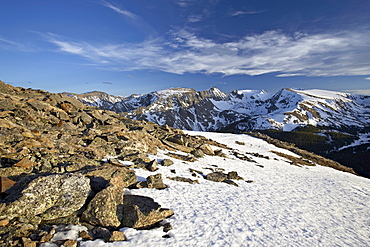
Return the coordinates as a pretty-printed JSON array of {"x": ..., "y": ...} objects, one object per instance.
[{"x": 285, "y": 206}]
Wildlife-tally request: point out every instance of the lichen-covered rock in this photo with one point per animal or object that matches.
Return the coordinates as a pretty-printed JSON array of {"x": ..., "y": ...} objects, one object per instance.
[
  {"x": 102, "y": 210},
  {"x": 142, "y": 212},
  {"x": 50, "y": 197}
]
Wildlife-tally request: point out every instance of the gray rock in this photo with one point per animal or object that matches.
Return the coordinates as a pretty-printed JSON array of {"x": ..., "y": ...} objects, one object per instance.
[
  {"x": 216, "y": 176},
  {"x": 51, "y": 197},
  {"x": 234, "y": 175},
  {"x": 142, "y": 212}
]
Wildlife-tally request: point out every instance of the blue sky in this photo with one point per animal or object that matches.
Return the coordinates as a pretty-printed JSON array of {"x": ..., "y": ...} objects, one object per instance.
[{"x": 138, "y": 46}]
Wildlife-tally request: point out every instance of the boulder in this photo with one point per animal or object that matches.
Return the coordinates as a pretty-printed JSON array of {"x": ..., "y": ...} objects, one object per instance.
[
  {"x": 155, "y": 182},
  {"x": 85, "y": 236},
  {"x": 142, "y": 212},
  {"x": 207, "y": 149},
  {"x": 117, "y": 236},
  {"x": 49, "y": 197},
  {"x": 167, "y": 162},
  {"x": 102, "y": 210},
  {"x": 234, "y": 175},
  {"x": 152, "y": 166},
  {"x": 28, "y": 242},
  {"x": 197, "y": 153},
  {"x": 152, "y": 181},
  {"x": 216, "y": 176}
]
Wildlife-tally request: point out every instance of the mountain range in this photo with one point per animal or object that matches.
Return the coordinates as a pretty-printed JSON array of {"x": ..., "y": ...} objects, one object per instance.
[
  {"x": 332, "y": 124},
  {"x": 239, "y": 110}
]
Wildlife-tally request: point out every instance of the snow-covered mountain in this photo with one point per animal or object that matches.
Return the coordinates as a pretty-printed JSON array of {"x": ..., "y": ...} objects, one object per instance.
[{"x": 240, "y": 110}]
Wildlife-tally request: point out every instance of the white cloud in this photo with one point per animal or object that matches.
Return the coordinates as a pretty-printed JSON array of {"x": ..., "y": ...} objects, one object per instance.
[
  {"x": 367, "y": 78},
  {"x": 237, "y": 13},
  {"x": 289, "y": 75},
  {"x": 300, "y": 54},
  {"x": 120, "y": 10},
  {"x": 195, "y": 18},
  {"x": 183, "y": 3}
]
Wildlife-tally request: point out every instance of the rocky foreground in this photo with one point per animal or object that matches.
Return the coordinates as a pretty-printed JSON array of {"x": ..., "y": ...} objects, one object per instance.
[{"x": 63, "y": 163}]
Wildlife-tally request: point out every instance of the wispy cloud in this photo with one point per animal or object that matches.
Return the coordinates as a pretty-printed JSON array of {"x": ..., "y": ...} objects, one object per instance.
[
  {"x": 107, "y": 82},
  {"x": 290, "y": 75},
  {"x": 368, "y": 78},
  {"x": 183, "y": 3},
  {"x": 360, "y": 92},
  {"x": 9, "y": 42},
  {"x": 12, "y": 45},
  {"x": 131, "y": 76},
  {"x": 237, "y": 13},
  {"x": 195, "y": 18},
  {"x": 120, "y": 10},
  {"x": 345, "y": 53}
]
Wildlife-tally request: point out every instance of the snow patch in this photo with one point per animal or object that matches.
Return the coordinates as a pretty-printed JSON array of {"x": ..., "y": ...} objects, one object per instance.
[{"x": 285, "y": 206}]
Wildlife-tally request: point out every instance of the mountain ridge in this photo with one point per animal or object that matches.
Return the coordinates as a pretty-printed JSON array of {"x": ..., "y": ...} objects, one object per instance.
[{"x": 214, "y": 110}]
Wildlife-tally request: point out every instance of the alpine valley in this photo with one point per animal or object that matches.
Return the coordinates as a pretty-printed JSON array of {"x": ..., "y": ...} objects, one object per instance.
[{"x": 331, "y": 124}]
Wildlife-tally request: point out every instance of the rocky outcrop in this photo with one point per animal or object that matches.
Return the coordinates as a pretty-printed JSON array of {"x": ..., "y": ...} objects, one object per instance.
[{"x": 66, "y": 163}]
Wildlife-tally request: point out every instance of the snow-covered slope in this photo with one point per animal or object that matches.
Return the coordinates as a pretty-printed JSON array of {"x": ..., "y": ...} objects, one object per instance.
[
  {"x": 242, "y": 110},
  {"x": 285, "y": 206}
]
